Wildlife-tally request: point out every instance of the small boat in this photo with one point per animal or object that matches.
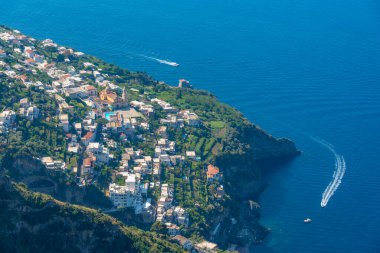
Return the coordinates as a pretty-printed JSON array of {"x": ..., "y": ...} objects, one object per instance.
[
  {"x": 170, "y": 63},
  {"x": 173, "y": 64},
  {"x": 307, "y": 220}
]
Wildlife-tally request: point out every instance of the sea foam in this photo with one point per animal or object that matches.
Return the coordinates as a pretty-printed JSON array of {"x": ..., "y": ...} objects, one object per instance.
[{"x": 339, "y": 171}]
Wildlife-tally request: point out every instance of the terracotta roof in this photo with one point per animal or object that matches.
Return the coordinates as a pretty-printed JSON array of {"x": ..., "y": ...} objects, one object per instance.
[
  {"x": 64, "y": 76},
  {"x": 87, "y": 162},
  {"x": 23, "y": 77},
  {"x": 212, "y": 171},
  {"x": 88, "y": 136},
  {"x": 173, "y": 226}
]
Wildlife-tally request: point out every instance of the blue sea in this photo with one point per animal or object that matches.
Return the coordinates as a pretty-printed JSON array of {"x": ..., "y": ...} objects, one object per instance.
[{"x": 304, "y": 69}]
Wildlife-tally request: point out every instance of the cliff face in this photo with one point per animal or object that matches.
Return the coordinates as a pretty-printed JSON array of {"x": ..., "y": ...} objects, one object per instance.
[
  {"x": 31, "y": 172},
  {"x": 242, "y": 173},
  {"x": 26, "y": 166},
  {"x": 35, "y": 222},
  {"x": 266, "y": 147},
  {"x": 240, "y": 151},
  {"x": 225, "y": 136},
  {"x": 242, "y": 170}
]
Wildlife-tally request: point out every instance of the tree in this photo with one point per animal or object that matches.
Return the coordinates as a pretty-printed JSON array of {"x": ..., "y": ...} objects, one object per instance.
[
  {"x": 159, "y": 227},
  {"x": 101, "y": 121},
  {"x": 104, "y": 177},
  {"x": 50, "y": 50},
  {"x": 60, "y": 58}
]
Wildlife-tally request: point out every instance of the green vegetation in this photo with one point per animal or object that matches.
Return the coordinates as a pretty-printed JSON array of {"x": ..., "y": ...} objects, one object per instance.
[
  {"x": 45, "y": 220},
  {"x": 223, "y": 138},
  {"x": 224, "y": 124},
  {"x": 120, "y": 180},
  {"x": 217, "y": 124},
  {"x": 34, "y": 138}
]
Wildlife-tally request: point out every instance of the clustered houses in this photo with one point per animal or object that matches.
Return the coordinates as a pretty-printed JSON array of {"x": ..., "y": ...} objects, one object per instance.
[
  {"x": 2, "y": 53},
  {"x": 7, "y": 119},
  {"x": 28, "y": 110},
  {"x": 176, "y": 118},
  {"x": 122, "y": 123}
]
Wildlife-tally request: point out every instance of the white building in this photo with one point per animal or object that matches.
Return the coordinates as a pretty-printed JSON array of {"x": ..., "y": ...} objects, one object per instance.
[
  {"x": 53, "y": 164},
  {"x": 99, "y": 151},
  {"x": 64, "y": 122},
  {"x": 78, "y": 128},
  {"x": 181, "y": 216},
  {"x": 127, "y": 195},
  {"x": 7, "y": 118},
  {"x": 191, "y": 155},
  {"x": 30, "y": 113},
  {"x": 2, "y": 53}
]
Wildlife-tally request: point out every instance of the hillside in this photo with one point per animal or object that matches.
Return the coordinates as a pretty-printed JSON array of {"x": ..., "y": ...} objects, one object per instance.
[
  {"x": 93, "y": 134},
  {"x": 36, "y": 222}
]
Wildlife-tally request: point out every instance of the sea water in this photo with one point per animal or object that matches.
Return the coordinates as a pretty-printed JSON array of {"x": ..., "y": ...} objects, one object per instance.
[{"x": 307, "y": 70}]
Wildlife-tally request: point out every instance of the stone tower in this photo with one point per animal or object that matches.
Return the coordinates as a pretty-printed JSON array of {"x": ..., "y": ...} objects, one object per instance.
[
  {"x": 124, "y": 96},
  {"x": 107, "y": 89}
]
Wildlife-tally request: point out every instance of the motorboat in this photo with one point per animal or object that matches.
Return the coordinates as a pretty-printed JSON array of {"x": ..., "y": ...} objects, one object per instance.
[{"x": 307, "y": 220}]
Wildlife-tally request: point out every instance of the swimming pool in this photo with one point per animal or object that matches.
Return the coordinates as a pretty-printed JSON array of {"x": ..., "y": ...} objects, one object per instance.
[{"x": 107, "y": 115}]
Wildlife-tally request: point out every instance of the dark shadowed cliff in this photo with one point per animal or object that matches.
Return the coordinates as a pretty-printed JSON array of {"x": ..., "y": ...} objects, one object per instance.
[{"x": 35, "y": 222}]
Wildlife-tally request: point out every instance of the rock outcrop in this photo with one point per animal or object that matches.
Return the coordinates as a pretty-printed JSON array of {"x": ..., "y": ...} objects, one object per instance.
[
  {"x": 243, "y": 182},
  {"x": 35, "y": 222}
]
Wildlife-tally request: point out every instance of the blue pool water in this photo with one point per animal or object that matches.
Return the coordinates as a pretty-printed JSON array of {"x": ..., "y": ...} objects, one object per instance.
[
  {"x": 107, "y": 115},
  {"x": 308, "y": 70}
]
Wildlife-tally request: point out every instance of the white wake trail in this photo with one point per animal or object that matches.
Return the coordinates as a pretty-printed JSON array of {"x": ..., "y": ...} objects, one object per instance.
[
  {"x": 170, "y": 63},
  {"x": 340, "y": 169}
]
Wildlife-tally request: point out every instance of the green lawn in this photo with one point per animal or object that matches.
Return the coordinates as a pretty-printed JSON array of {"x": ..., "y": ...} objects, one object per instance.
[{"x": 217, "y": 124}]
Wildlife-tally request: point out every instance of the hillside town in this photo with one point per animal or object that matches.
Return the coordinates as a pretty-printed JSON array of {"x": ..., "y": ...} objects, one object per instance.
[{"x": 112, "y": 125}]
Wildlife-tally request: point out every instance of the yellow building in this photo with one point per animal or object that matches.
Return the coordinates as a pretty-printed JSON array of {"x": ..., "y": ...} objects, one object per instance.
[{"x": 111, "y": 98}]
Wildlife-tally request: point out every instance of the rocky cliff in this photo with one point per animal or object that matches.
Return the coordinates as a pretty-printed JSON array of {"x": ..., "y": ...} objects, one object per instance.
[
  {"x": 242, "y": 151},
  {"x": 243, "y": 182},
  {"x": 223, "y": 137},
  {"x": 35, "y": 222},
  {"x": 266, "y": 147},
  {"x": 31, "y": 172},
  {"x": 243, "y": 169}
]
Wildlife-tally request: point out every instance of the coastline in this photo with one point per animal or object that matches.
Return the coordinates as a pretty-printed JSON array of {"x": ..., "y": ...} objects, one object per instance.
[
  {"x": 250, "y": 145},
  {"x": 288, "y": 67}
]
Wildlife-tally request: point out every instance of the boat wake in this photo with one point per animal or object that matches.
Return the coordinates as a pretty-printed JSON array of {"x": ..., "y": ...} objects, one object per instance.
[
  {"x": 340, "y": 169},
  {"x": 170, "y": 63}
]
